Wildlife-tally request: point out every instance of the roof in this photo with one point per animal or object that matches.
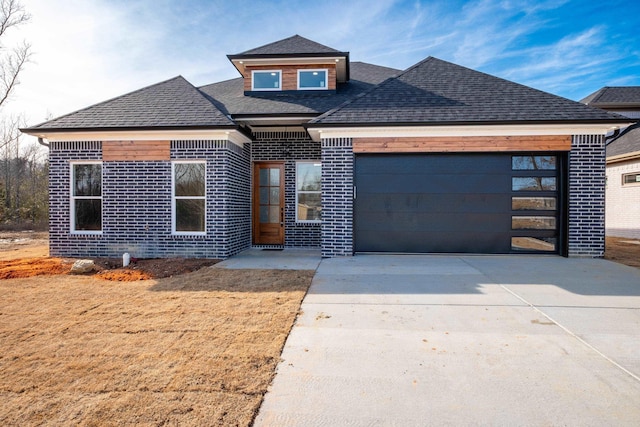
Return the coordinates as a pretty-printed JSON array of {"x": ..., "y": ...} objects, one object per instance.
[
  {"x": 614, "y": 97},
  {"x": 174, "y": 103},
  {"x": 291, "y": 45},
  {"x": 436, "y": 92},
  {"x": 627, "y": 142},
  {"x": 296, "y": 50},
  {"x": 230, "y": 98}
]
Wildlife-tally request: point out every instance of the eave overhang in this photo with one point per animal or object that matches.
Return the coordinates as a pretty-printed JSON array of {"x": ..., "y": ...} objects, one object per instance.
[
  {"x": 323, "y": 131},
  {"x": 273, "y": 119},
  {"x": 623, "y": 157},
  {"x": 234, "y": 134},
  {"x": 341, "y": 59}
]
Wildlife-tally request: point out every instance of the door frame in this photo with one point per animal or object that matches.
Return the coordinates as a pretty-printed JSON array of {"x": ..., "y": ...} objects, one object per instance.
[{"x": 256, "y": 239}]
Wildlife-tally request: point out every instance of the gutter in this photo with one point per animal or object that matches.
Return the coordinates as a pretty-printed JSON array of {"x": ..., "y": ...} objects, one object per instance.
[
  {"x": 610, "y": 138},
  {"x": 41, "y": 142}
]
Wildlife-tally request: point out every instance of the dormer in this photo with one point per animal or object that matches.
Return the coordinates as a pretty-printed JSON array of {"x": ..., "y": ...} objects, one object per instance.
[{"x": 292, "y": 65}]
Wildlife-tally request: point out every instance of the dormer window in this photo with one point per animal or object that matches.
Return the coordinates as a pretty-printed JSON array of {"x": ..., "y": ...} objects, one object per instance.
[
  {"x": 266, "y": 80},
  {"x": 313, "y": 79}
]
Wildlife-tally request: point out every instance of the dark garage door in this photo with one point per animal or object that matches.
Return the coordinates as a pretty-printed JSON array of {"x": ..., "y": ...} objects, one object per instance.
[{"x": 457, "y": 203}]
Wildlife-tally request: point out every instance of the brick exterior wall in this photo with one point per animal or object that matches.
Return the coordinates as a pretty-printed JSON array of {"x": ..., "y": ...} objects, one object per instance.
[
  {"x": 136, "y": 203},
  {"x": 136, "y": 198},
  {"x": 586, "y": 196},
  {"x": 337, "y": 197},
  {"x": 622, "y": 210},
  {"x": 290, "y": 147}
]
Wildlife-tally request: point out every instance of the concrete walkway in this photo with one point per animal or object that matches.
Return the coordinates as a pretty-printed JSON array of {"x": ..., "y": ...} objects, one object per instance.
[
  {"x": 269, "y": 259},
  {"x": 462, "y": 340}
]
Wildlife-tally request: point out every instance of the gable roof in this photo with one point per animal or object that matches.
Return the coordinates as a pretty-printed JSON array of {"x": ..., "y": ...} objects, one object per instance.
[
  {"x": 614, "y": 97},
  {"x": 627, "y": 142},
  {"x": 229, "y": 95},
  {"x": 291, "y": 45},
  {"x": 174, "y": 103},
  {"x": 436, "y": 92},
  {"x": 293, "y": 50}
]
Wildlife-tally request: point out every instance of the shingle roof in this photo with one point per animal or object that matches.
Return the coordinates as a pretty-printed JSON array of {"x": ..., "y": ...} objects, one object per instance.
[
  {"x": 627, "y": 142},
  {"x": 439, "y": 92},
  {"x": 291, "y": 45},
  {"x": 169, "y": 104},
  {"x": 229, "y": 95},
  {"x": 612, "y": 96}
]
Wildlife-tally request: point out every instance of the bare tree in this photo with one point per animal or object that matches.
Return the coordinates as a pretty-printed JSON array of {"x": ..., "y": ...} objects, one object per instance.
[
  {"x": 20, "y": 167},
  {"x": 12, "y": 61}
]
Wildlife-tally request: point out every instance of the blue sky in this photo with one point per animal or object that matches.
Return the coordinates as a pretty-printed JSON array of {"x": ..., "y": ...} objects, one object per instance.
[{"x": 87, "y": 51}]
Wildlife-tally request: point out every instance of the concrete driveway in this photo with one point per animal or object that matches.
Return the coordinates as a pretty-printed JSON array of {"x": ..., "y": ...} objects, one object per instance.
[{"x": 462, "y": 340}]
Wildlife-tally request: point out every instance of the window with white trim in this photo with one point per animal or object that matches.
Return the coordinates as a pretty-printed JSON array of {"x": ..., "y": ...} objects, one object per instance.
[
  {"x": 188, "y": 197},
  {"x": 313, "y": 79},
  {"x": 308, "y": 191},
  {"x": 266, "y": 80},
  {"x": 86, "y": 197},
  {"x": 631, "y": 179}
]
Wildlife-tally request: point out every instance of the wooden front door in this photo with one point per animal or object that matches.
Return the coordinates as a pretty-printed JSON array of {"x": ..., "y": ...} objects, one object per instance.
[{"x": 268, "y": 203}]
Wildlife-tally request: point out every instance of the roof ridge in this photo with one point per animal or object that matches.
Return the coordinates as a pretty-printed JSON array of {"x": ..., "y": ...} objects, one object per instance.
[
  {"x": 366, "y": 92},
  {"x": 438, "y": 91},
  {"x": 268, "y": 44},
  {"x": 221, "y": 81},
  {"x": 179, "y": 76}
]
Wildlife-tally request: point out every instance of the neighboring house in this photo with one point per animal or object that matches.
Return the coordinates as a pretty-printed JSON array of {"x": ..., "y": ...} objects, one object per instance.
[
  {"x": 622, "y": 214},
  {"x": 309, "y": 149}
]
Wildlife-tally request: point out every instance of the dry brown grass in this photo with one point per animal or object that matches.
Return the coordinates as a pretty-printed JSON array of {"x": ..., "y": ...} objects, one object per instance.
[{"x": 195, "y": 349}]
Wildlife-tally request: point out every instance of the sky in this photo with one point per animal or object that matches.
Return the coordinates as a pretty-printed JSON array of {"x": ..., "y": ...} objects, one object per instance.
[{"x": 88, "y": 51}]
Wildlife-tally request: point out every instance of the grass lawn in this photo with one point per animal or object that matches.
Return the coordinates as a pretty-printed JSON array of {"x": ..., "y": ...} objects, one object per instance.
[{"x": 195, "y": 349}]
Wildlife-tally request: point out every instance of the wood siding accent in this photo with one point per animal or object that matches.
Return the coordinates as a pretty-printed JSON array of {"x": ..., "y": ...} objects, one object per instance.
[
  {"x": 136, "y": 151},
  {"x": 462, "y": 144},
  {"x": 290, "y": 74}
]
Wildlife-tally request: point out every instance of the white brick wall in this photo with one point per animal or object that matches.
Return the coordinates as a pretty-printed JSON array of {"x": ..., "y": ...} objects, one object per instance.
[{"x": 622, "y": 211}]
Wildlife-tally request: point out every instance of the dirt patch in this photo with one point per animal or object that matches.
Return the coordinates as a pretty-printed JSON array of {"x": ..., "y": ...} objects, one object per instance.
[
  {"x": 196, "y": 349},
  {"x": 107, "y": 268},
  {"x": 623, "y": 250},
  {"x": 145, "y": 269},
  {"x": 30, "y": 267},
  {"x": 25, "y": 254}
]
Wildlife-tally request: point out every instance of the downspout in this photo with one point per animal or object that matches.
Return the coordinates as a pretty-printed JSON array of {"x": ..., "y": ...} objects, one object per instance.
[
  {"x": 610, "y": 138},
  {"x": 41, "y": 142}
]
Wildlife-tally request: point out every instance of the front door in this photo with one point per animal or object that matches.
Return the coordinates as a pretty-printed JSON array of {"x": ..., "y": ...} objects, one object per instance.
[{"x": 268, "y": 203}]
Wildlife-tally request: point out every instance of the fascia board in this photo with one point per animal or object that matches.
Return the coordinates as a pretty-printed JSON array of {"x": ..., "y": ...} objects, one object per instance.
[
  {"x": 624, "y": 157},
  {"x": 318, "y": 133},
  {"x": 232, "y": 135}
]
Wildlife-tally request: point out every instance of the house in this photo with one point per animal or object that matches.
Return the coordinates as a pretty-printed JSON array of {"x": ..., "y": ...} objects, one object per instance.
[
  {"x": 622, "y": 212},
  {"x": 307, "y": 149}
]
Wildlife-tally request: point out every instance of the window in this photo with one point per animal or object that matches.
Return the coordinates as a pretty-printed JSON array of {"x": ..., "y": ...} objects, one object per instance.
[
  {"x": 533, "y": 162},
  {"x": 308, "y": 200},
  {"x": 631, "y": 179},
  {"x": 266, "y": 80},
  {"x": 86, "y": 197},
  {"x": 533, "y": 223},
  {"x": 189, "y": 198},
  {"x": 312, "y": 79},
  {"x": 533, "y": 184},
  {"x": 533, "y": 203}
]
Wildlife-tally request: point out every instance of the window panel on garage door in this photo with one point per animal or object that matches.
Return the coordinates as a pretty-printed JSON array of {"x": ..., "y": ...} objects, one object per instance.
[{"x": 535, "y": 203}]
